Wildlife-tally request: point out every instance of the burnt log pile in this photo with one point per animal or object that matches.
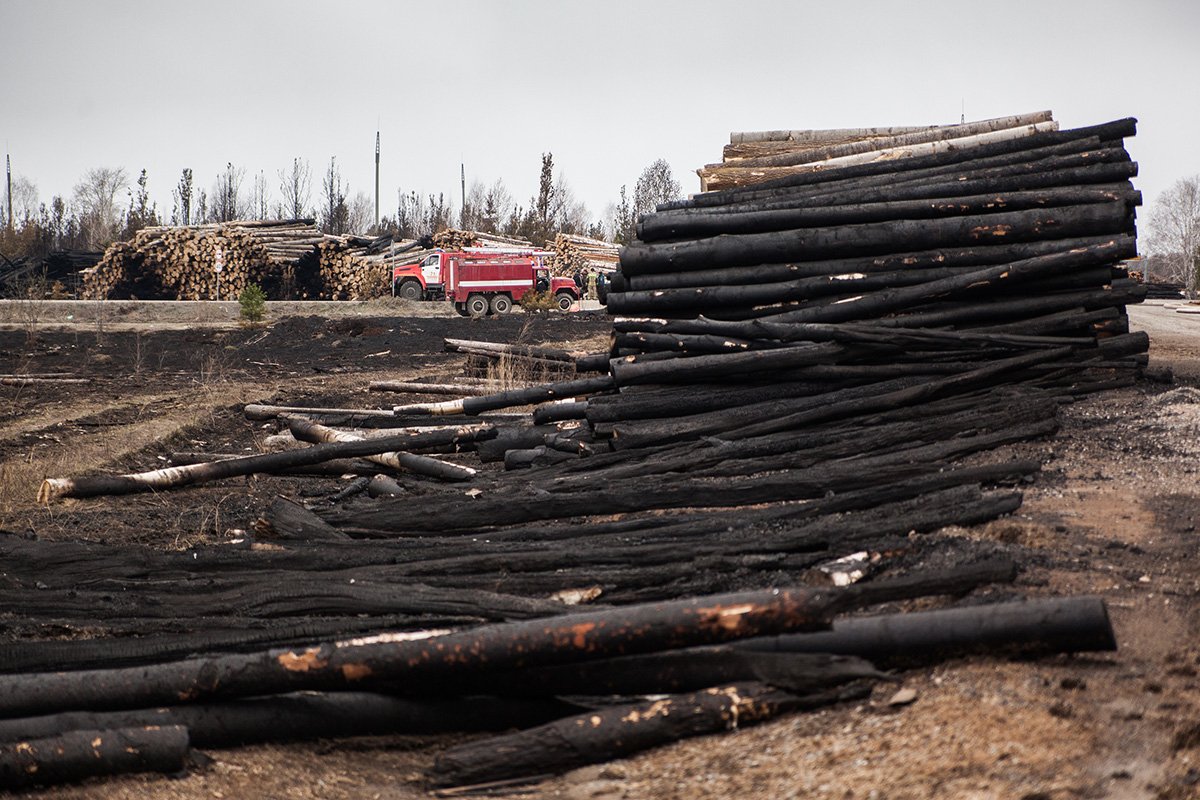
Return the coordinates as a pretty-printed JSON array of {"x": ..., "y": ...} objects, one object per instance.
[
  {"x": 809, "y": 380},
  {"x": 54, "y": 277},
  {"x": 214, "y": 681}
]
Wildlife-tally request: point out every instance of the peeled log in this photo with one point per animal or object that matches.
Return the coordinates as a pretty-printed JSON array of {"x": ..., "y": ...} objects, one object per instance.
[
  {"x": 308, "y": 431},
  {"x": 170, "y": 477},
  {"x": 543, "y": 393}
]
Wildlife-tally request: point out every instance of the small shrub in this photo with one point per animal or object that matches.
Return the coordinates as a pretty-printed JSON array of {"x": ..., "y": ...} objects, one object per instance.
[
  {"x": 253, "y": 303},
  {"x": 538, "y": 301}
]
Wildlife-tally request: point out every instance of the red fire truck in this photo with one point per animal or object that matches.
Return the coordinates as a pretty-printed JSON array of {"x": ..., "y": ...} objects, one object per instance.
[{"x": 482, "y": 280}]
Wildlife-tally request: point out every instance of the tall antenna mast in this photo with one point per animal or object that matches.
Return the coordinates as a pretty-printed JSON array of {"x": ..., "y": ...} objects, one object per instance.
[
  {"x": 8, "y": 175},
  {"x": 377, "y": 180}
]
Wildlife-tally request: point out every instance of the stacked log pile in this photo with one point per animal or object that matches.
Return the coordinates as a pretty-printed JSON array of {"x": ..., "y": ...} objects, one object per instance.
[
  {"x": 804, "y": 377},
  {"x": 752, "y": 158},
  {"x": 573, "y": 254},
  {"x": 456, "y": 239},
  {"x": 351, "y": 269},
  {"x": 180, "y": 263},
  {"x": 57, "y": 276},
  {"x": 219, "y": 680}
]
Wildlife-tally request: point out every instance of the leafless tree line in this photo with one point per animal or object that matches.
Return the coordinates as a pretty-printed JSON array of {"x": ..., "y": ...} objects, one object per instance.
[
  {"x": 97, "y": 213},
  {"x": 1174, "y": 240}
]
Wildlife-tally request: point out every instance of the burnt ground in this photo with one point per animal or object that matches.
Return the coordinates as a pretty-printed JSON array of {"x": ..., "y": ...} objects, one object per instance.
[{"x": 1114, "y": 512}]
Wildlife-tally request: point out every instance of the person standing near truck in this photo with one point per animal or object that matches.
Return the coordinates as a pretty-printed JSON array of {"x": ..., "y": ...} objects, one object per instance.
[{"x": 591, "y": 285}]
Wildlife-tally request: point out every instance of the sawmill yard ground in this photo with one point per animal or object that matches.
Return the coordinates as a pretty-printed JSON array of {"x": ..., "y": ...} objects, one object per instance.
[{"x": 1113, "y": 513}]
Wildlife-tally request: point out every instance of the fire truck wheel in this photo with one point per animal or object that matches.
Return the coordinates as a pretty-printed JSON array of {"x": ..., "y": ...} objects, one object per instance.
[
  {"x": 501, "y": 304},
  {"x": 409, "y": 290},
  {"x": 564, "y": 301},
  {"x": 477, "y": 305}
]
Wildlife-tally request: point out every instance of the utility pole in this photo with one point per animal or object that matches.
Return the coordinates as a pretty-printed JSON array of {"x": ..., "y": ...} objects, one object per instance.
[
  {"x": 8, "y": 175},
  {"x": 377, "y": 181},
  {"x": 462, "y": 171}
]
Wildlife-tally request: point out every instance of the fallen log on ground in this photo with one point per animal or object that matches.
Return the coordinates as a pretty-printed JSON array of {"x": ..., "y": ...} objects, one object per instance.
[
  {"x": 308, "y": 431},
  {"x": 416, "y": 387},
  {"x": 1040, "y": 625},
  {"x": 532, "y": 351},
  {"x": 544, "y": 393},
  {"x": 542, "y": 642},
  {"x": 78, "y": 754},
  {"x": 304, "y": 715},
  {"x": 687, "y": 670},
  {"x": 171, "y": 477},
  {"x": 607, "y": 733}
]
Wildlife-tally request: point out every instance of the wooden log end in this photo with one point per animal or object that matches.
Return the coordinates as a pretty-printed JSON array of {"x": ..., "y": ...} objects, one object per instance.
[{"x": 54, "y": 488}]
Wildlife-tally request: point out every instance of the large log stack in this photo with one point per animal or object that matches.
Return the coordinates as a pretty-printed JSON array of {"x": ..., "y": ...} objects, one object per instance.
[
  {"x": 350, "y": 268},
  {"x": 181, "y": 262},
  {"x": 457, "y": 239},
  {"x": 573, "y": 254},
  {"x": 805, "y": 376},
  {"x": 752, "y": 158}
]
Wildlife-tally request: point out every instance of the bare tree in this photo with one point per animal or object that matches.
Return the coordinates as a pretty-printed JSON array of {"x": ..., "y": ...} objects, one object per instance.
[
  {"x": 142, "y": 213},
  {"x": 1175, "y": 232},
  {"x": 226, "y": 196},
  {"x": 181, "y": 213},
  {"x": 570, "y": 214},
  {"x": 497, "y": 207},
  {"x": 471, "y": 216},
  {"x": 655, "y": 185},
  {"x": 96, "y": 201},
  {"x": 412, "y": 217},
  {"x": 335, "y": 214},
  {"x": 295, "y": 187},
  {"x": 24, "y": 201},
  {"x": 361, "y": 219},
  {"x": 260, "y": 197},
  {"x": 622, "y": 223},
  {"x": 441, "y": 213}
]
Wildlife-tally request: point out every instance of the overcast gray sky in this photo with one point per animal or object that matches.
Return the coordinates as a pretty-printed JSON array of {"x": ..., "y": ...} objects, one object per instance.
[{"x": 607, "y": 87}]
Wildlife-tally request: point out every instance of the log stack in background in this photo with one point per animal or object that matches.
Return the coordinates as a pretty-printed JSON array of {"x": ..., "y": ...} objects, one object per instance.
[
  {"x": 351, "y": 268},
  {"x": 54, "y": 277},
  {"x": 579, "y": 253},
  {"x": 755, "y": 157},
  {"x": 180, "y": 262},
  {"x": 456, "y": 239}
]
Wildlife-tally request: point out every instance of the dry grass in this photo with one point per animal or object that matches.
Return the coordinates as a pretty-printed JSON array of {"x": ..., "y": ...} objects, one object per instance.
[
  {"x": 104, "y": 315},
  {"x": 515, "y": 372},
  {"x": 20, "y": 478}
]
